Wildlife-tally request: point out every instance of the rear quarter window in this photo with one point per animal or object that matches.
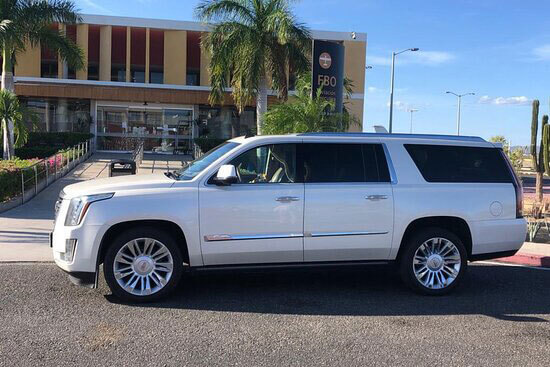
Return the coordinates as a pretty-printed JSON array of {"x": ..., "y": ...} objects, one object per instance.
[{"x": 446, "y": 163}]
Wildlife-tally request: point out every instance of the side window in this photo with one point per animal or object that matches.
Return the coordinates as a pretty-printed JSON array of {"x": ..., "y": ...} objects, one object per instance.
[
  {"x": 326, "y": 162},
  {"x": 274, "y": 163},
  {"x": 443, "y": 163}
]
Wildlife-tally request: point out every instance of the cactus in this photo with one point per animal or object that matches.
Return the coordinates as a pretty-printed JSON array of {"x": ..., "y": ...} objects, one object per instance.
[
  {"x": 534, "y": 128},
  {"x": 546, "y": 144},
  {"x": 541, "y": 162}
]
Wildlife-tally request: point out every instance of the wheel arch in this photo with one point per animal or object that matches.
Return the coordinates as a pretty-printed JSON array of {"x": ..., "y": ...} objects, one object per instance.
[
  {"x": 454, "y": 224},
  {"x": 172, "y": 228}
]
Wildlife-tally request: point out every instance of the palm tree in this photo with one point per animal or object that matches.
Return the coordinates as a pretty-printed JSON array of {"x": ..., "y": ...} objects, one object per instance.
[
  {"x": 252, "y": 41},
  {"x": 29, "y": 22},
  {"x": 306, "y": 113},
  {"x": 11, "y": 110}
]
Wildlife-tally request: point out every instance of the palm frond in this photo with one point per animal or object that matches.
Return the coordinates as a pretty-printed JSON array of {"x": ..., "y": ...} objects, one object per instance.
[
  {"x": 58, "y": 42},
  {"x": 216, "y": 10}
]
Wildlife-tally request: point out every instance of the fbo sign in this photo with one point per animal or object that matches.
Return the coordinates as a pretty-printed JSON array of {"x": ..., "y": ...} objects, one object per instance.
[{"x": 328, "y": 71}]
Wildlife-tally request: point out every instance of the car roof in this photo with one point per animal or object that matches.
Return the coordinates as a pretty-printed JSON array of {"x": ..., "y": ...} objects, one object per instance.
[{"x": 351, "y": 136}]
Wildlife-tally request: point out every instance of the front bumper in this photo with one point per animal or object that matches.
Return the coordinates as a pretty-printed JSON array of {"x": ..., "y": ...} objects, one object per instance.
[{"x": 84, "y": 279}]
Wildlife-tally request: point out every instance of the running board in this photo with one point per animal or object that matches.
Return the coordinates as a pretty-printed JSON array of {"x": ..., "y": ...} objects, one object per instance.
[{"x": 285, "y": 266}]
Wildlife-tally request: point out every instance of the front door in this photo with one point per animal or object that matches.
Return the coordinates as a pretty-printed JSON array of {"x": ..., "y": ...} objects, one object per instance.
[
  {"x": 348, "y": 202},
  {"x": 260, "y": 218}
]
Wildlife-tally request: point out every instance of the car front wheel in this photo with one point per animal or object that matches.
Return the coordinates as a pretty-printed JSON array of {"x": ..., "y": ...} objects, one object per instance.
[
  {"x": 142, "y": 265},
  {"x": 434, "y": 262}
]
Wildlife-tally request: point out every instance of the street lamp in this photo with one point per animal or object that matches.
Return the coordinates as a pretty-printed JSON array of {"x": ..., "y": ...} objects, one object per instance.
[
  {"x": 412, "y": 110},
  {"x": 393, "y": 54},
  {"x": 459, "y": 96}
]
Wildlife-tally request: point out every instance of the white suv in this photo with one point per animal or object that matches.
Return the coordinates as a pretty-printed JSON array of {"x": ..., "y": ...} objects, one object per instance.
[{"x": 426, "y": 203}]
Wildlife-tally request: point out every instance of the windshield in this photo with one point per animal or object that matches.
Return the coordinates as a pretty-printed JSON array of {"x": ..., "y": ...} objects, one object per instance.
[{"x": 198, "y": 165}]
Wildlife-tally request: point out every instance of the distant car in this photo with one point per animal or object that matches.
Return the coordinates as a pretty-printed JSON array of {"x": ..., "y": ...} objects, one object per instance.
[{"x": 425, "y": 203}]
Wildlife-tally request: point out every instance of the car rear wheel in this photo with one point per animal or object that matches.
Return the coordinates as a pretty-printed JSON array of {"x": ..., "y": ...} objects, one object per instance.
[
  {"x": 434, "y": 262},
  {"x": 142, "y": 265}
]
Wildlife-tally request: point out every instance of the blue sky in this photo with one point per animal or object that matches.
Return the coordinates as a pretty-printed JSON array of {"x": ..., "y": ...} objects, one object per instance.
[{"x": 499, "y": 49}]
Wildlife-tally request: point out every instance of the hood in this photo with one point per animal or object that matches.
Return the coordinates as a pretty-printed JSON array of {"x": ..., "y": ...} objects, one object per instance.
[{"x": 119, "y": 183}]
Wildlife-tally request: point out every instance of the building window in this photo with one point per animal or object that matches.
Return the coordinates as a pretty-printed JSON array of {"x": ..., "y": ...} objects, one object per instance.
[
  {"x": 48, "y": 61},
  {"x": 137, "y": 55},
  {"x": 93, "y": 52},
  {"x": 193, "y": 58},
  {"x": 59, "y": 114},
  {"x": 118, "y": 54},
  {"x": 193, "y": 77},
  {"x": 156, "y": 56}
]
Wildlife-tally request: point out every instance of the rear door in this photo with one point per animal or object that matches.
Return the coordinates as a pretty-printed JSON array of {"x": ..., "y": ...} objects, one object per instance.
[{"x": 348, "y": 212}]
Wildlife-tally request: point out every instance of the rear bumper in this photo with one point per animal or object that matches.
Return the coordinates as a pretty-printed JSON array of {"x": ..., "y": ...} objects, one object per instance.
[{"x": 494, "y": 237}]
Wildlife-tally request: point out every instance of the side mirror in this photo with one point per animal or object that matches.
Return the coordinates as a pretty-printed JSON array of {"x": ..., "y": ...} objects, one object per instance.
[{"x": 227, "y": 175}]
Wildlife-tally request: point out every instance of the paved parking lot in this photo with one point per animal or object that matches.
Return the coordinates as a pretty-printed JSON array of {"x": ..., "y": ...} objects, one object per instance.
[{"x": 500, "y": 316}]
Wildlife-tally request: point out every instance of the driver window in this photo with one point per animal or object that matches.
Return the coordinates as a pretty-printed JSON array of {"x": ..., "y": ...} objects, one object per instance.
[{"x": 274, "y": 163}]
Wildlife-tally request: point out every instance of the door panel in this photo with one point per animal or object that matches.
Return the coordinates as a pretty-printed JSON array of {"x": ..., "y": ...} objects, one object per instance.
[
  {"x": 348, "y": 221},
  {"x": 260, "y": 218},
  {"x": 246, "y": 224}
]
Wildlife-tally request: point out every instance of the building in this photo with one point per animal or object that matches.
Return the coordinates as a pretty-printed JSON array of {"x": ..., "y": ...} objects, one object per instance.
[{"x": 146, "y": 78}]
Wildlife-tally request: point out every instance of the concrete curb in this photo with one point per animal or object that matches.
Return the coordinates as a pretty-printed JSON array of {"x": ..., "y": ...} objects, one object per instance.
[{"x": 527, "y": 259}]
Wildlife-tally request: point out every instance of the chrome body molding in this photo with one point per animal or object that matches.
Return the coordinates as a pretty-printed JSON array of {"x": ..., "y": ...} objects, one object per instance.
[
  {"x": 333, "y": 234},
  {"x": 227, "y": 237}
]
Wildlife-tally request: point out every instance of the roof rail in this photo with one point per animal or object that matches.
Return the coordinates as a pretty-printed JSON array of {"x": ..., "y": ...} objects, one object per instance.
[{"x": 399, "y": 135}]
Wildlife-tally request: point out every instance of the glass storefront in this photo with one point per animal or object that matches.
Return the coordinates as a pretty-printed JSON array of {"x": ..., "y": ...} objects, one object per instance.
[
  {"x": 164, "y": 130},
  {"x": 226, "y": 122},
  {"x": 59, "y": 114}
]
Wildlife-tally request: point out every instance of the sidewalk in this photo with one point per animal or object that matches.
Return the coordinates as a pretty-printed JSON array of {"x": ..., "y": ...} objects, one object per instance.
[
  {"x": 531, "y": 254},
  {"x": 24, "y": 229}
]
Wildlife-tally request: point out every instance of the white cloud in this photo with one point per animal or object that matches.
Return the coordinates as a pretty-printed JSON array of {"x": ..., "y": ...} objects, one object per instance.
[
  {"x": 502, "y": 101},
  {"x": 542, "y": 53},
  {"x": 93, "y": 5},
  {"x": 399, "y": 105},
  {"x": 429, "y": 58},
  {"x": 372, "y": 89}
]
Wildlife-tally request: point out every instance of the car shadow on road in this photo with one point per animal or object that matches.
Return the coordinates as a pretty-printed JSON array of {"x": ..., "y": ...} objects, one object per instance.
[{"x": 503, "y": 292}]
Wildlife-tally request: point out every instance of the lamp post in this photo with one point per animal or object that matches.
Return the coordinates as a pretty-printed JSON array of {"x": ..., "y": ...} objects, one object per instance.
[
  {"x": 393, "y": 54},
  {"x": 412, "y": 110},
  {"x": 459, "y": 100}
]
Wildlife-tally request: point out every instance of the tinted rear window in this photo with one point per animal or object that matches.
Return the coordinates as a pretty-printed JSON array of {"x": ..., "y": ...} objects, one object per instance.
[
  {"x": 333, "y": 162},
  {"x": 443, "y": 163}
]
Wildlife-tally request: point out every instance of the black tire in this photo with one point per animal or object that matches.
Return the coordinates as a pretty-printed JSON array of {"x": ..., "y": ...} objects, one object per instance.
[
  {"x": 406, "y": 259},
  {"x": 138, "y": 233}
]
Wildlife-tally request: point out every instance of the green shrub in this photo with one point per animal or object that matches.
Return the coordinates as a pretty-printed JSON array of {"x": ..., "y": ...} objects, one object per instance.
[
  {"x": 206, "y": 144},
  {"x": 10, "y": 177},
  {"x": 42, "y": 145}
]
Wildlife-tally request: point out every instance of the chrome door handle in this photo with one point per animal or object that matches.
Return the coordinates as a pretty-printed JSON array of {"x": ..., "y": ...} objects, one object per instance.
[
  {"x": 376, "y": 197},
  {"x": 287, "y": 199}
]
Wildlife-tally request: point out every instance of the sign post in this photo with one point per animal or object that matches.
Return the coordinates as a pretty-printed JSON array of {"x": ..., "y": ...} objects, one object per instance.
[{"x": 328, "y": 71}]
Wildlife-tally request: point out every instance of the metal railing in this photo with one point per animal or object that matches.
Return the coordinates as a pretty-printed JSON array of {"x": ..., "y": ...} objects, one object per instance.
[{"x": 41, "y": 174}]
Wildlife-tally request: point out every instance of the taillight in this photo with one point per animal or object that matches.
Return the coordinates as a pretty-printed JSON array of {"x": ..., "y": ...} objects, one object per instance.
[{"x": 517, "y": 186}]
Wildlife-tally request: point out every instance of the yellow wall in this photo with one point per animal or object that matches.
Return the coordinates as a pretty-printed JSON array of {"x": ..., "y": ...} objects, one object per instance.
[
  {"x": 28, "y": 62},
  {"x": 82, "y": 41},
  {"x": 175, "y": 57},
  {"x": 128, "y": 53},
  {"x": 355, "y": 107},
  {"x": 147, "y": 53},
  {"x": 105, "y": 33},
  {"x": 354, "y": 67},
  {"x": 205, "y": 61}
]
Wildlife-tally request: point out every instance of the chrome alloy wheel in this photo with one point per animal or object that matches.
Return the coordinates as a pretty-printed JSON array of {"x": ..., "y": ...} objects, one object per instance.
[
  {"x": 143, "y": 266},
  {"x": 436, "y": 263}
]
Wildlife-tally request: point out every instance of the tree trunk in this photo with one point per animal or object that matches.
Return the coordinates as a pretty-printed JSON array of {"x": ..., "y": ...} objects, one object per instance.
[
  {"x": 538, "y": 187},
  {"x": 5, "y": 134},
  {"x": 261, "y": 105},
  {"x": 8, "y": 83}
]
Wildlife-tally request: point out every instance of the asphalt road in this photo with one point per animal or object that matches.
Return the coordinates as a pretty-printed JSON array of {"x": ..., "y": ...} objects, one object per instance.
[{"x": 500, "y": 316}]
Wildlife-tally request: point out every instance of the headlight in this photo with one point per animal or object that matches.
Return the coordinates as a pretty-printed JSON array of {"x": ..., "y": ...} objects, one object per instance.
[{"x": 79, "y": 206}]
